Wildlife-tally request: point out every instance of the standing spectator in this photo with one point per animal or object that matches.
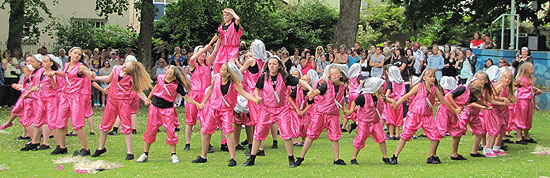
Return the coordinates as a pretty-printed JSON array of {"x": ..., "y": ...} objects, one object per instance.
[
  {"x": 466, "y": 71},
  {"x": 104, "y": 71},
  {"x": 377, "y": 63},
  {"x": 365, "y": 68},
  {"x": 286, "y": 60},
  {"x": 357, "y": 48},
  {"x": 161, "y": 67},
  {"x": 64, "y": 58},
  {"x": 296, "y": 57},
  {"x": 329, "y": 50},
  {"x": 477, "y": 42},
  {"x": 418, "y": 58},
  {"x": 472, "y": 59},
  {"x": 322, "y": 63},
  {"x": 398, "y": 46},
  {"x": 353, "y": 58},
  {"x": 176, "y": 58},
  {"x": 436, "y": 62},
  {"x": 319, "y": 51},
  {"x": 524, "y": 56},
  {"x": 410, "y": 62},
  {"x": 113, "y": 60},
  {"x": 489, "y": 44},
  {"x": 451, "y": 65},
  {"x": 341, "y": 57},
  {"x": 387, "y": 52},
  {"x": 307, "y": 63},
  {"x": 408, "y": 45},
  {"x": 10, "y": 67}
]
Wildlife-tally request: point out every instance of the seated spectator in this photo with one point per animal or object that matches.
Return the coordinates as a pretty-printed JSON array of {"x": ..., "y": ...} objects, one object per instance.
[{"x": 477, "y": 42}]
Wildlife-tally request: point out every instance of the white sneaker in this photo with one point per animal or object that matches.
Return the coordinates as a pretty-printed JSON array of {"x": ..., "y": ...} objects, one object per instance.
[
  {"x": 175, "y": 159},
  {"x": 142, "y": 158}
]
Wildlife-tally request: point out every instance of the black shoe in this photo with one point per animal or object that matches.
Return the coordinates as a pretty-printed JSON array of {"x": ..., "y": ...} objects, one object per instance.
[
  {"x": 530, "y": 140},
  {"x": 291, "y": 162},
  {"x": 22, "y": 138},
  {"x": 299, "y": 161},
  {"x": 352, "y": 126},
  {"x": 51, "y": 136},
  {"x": 414, "y": 137},
  {"x": 187, "y": 147},
  {"x": 177, "y": 129},
  {"x": 339, "y": 162},
  {"x": 507, "y": 141},
  {"x": 211, "y": 149},
  {"x": 344, "y": 130},
  {"x": 509, "y": 136},
  {"x": 476, "y": 155},
  {"x": 30, "y": 147},
  {"x": 274, "y": 146},
  {"x": 250, "y": 161},
  {"x": 59, "y": 150},
  {"x": 223, "y": 147},
  {"x": 245, "y": 142},
  {"x": 129, "y": 156},
  {"x": 433, "y": 160},
  {"x": 422, "y": 135},
  {"x": 82, "y": 152},
  {"x": 232, "y": 162},
  {"x": 459, "y": 157},
  {"x": 298, "y": 144},
  {"x": 73, "y": 134},
  {"x": 113, "y": 132},
  {"x": 239, "y": 147},
  {"x": 522, "y": 142},
  {"x": 200, "y": 159},
  {"x": 386, "y": 160},
  {"x": 134, "y": 131},
  {"x": 393, "y": 160},
  {"x": 250, "y": 146},
  {"x": 260, "y": 153},
  {"x": 92, "y": 133},
  {"x": 42, "y": 147},
  {"x": 99, "y": 152},
  {"x": 354, "y": 162}
]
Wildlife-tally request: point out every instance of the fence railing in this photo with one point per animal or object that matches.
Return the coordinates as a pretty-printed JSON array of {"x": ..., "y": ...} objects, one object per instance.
[{"x": 33, "y": 48}]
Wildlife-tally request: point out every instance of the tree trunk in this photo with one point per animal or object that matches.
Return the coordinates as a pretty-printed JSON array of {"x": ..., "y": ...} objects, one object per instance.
[
  {"x": 145, "y": 39},
  {"x": 15, "y": 34},
  {"x": 346, "y": 28}
]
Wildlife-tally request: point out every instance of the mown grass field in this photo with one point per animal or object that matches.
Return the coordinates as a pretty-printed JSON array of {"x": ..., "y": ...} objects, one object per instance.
[{"x": 318, "y": 163}]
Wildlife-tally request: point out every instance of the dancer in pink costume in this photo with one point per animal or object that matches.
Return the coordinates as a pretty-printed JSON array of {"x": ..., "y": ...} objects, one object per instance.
[{"x": 230, "y": 37}]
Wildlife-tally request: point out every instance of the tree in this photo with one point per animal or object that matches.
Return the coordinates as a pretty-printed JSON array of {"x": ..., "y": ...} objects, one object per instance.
[
  {"x": 346, "y": 28},
  {"x": 25, "y": 13},
  {"x": 468, "y": 16},
  {"x": 147, "y": 14}
]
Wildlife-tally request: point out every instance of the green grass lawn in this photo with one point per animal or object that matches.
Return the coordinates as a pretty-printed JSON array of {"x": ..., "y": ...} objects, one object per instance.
[{"x": 318, "y": 163}]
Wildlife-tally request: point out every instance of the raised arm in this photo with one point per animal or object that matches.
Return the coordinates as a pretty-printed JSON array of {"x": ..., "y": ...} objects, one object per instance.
[{"x": 212, "y": 57}]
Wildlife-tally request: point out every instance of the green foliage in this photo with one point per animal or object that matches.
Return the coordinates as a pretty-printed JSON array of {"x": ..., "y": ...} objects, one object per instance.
[
  {"x": 35, "y": 13},
  {"x": 379, "y": 22},
  {"x": 189, "y": 23},
  {"x": 87, "y": 36},
  {"x": 309, "y": 25}
]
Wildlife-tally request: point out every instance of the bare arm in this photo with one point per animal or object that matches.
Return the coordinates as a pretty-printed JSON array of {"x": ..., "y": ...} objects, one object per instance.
[
  {"x": 212, "y": 57},
  {"x": 413, "y": 91},
  {"x": 349, "y": 111},
  {"x": 247, "y": 64},
  {"x": 84, "y": 70},
  {"x": 105, "y": 79},
  {"x": 247, "y": 95},
  {"x": 200, "y": 106}
]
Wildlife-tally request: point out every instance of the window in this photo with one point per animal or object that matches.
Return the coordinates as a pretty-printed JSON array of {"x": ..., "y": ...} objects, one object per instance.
[{"x": 96, "y": 22}]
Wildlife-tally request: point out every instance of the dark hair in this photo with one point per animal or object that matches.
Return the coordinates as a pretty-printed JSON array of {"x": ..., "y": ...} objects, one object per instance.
[
  {"x": 282, "y": 69},
  {"x": 489, "y": 59},
  {"x": 54, "y": 66}
]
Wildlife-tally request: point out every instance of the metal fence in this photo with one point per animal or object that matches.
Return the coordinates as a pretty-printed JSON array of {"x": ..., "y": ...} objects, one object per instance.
[{"x": 33, "y": 48}]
